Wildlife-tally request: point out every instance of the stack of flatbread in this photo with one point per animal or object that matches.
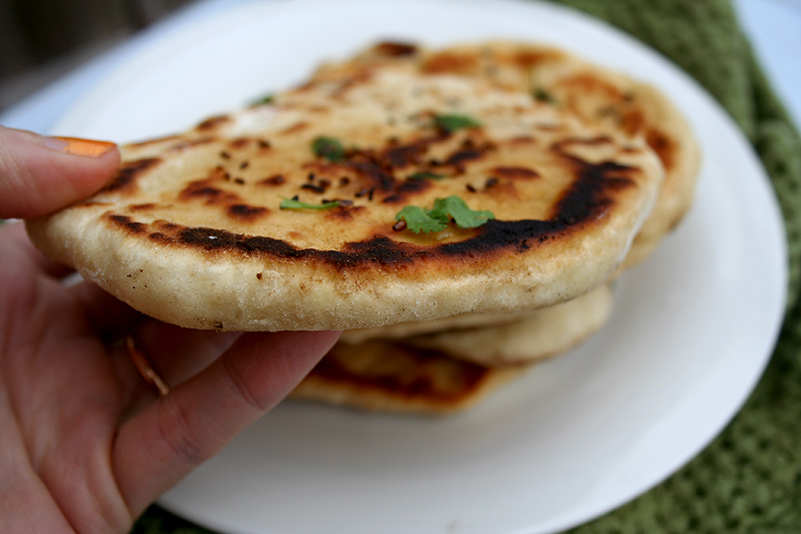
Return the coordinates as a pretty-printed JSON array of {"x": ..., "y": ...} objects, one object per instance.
[{"x": 459, "y": 213}]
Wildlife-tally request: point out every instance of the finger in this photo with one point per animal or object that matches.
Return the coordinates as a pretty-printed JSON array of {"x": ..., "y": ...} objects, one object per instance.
[
  {"x": 39, "y": 174},
  {"x": 108, "y": 316},
  {"x": 173, "y": 353},
  {"x": 15, "y": 246},
  {"x": 163, "y": 443},
  {"x": 178, "y": 354},
  {"x": 22, "y": 488}
]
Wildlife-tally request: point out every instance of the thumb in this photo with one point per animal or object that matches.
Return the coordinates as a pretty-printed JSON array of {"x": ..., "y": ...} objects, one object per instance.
[{"x": 39, "y": 174}]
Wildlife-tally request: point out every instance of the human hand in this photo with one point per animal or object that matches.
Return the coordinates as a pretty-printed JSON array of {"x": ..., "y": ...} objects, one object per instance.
[{"x": 85, "y": 444}]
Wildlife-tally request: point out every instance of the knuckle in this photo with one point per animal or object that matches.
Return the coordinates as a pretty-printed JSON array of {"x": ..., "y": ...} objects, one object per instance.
[
  {"x": 178, "y": 432},
  {"x": 243, "y": 387}
]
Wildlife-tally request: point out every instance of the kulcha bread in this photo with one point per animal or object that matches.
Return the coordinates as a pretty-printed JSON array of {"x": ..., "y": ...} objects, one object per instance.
[
  {"x": 417, "y": 328},
  {"x": 506, "y": 343},
  {"x": 390, "y": 376},
  {"x": 454, "y": 369},
  {"x": 596, "y": 95},
  {"x": 459, "y": 212},
  {"x": 544, "y": 333},
  {"x": 527, "y": 335},
  {"x": 286, "y": 216}
]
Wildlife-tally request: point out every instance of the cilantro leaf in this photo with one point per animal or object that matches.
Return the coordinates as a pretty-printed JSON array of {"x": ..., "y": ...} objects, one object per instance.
[
  {"x": 450, "y": 123},
  {"x": 542, "y": 95},
  {"x": 419, "y": 219},
  {"x": 293, "y": 204},
  {"x": 266, "y": 99},
  {"x": 328, "y": 148},
  {"x": 463, "y": 216}
]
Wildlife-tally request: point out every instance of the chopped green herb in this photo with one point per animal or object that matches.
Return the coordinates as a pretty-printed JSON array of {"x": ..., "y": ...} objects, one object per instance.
[
  {"x": 450, "y": 123},
  {"x": 461, "y": 212},
  {"x": 543, "y": 96},
  {"x": 436, "y": 219},
  {"x": 266, "y": 99},
  {"x": 420, "y": 220},
  {"x": 426, "y": 175},
  {"x": 292, "y": 204},
  {"x": 328, "y": 148}
]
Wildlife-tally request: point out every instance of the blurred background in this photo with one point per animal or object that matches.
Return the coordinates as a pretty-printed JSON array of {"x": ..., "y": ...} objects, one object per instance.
[{"x": 42, "y": 40}]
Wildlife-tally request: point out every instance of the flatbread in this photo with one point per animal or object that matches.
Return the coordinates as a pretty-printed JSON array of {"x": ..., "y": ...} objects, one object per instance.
[
  {"x": 418, "y": 328},
  {"x": 191, "y": 230},
  {"x": 388, "y": 376},
  {"x": 453, "y": 370},
  {"x": 597, "y": 95},
  {"x": 585, "y": 313},
  {"x": 544, "y": 333}
]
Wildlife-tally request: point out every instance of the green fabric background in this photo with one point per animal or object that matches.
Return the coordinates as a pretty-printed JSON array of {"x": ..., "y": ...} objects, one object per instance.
[{"x": 749, "y": 479}]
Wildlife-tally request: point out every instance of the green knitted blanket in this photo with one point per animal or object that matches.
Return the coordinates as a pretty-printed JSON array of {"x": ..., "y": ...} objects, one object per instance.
[{"x": 749, "y": 479}]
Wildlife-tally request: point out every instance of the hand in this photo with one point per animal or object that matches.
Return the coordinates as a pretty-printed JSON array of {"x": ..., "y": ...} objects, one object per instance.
[{"x": 85, "y": 444}]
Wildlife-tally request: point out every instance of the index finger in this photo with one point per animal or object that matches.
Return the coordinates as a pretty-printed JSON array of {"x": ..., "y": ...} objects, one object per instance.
[
  {"x": 163, "y": 443},
  {"x": 17, "y": 247}
]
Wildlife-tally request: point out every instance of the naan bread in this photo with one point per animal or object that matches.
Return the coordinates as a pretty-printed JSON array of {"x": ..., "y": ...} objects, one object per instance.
[
  {"x": 543, "y": 333},
  {"x": 586, "y": 314},
  {"x": 191, "y": 230},
  {"x": 417, "y": 328},
  {"x": 393, "y": 377},
  {"x": 597, "y": 95},
  {"x": 451, "y": 370}
]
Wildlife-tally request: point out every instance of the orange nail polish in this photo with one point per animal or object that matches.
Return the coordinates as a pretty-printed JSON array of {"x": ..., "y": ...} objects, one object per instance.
[{"x": 84, "y": 147}]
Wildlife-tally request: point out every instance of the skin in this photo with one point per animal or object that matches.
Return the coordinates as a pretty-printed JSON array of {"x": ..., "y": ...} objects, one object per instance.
[{"x": 85, "y": 444}]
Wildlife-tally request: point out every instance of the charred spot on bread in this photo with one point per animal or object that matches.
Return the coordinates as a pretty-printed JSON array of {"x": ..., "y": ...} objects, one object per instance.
[
  {"x": 129, "y": 172},
  {"x": 395, "y": 49}
]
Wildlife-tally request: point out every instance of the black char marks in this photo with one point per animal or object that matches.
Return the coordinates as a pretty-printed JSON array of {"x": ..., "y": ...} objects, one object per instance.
[
  {"x": 469, "y": 151},
  {"x": 184, "y": 144},
  {"x": 415, "y": 386},
  {"x": 125, "y": 179},
  {"x": 395, "y": 49},
  {"x": 585, "y": 201},
  {"x": 243, "y": 212},
  {"x": 379, "y": 250},
  {"x": 213, "y": 122},
  {"x": 375, "y": 174},
  {"x": 403, "y": 155},
  {"x": 516, "y": 173},
  {"x": 462, "y": 156},
  {"x": 232, "y": 203},
  {"x": 130, "y": 225},
  {"x": 276, "y": 179},
  {"x": 378, "y": 170},
  {"x": 587, "y": 197},
  {"x": 205, "y": 189},
  {"x": 590, "y": 196}
]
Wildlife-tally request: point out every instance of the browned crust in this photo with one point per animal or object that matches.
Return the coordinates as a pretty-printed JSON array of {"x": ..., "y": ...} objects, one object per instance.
[
  {"x": 592, "y": 193},
  {"x": 195, "y": 234},
  {"x": 393, "y": 377}
]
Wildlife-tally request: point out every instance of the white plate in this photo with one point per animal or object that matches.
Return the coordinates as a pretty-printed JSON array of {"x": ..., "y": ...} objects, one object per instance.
[{"x": 578, "y": 436}]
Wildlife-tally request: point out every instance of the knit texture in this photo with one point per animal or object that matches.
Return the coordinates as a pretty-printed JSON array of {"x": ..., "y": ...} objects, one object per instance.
[{"x": 749, "y": 479}]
